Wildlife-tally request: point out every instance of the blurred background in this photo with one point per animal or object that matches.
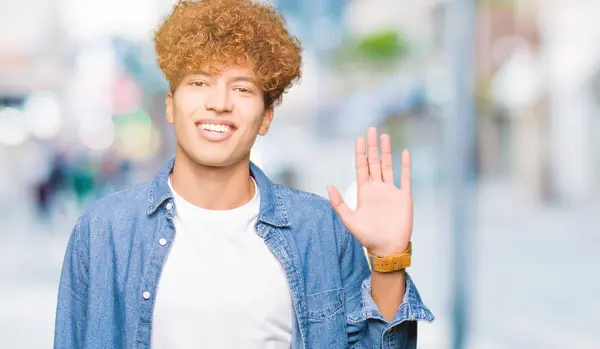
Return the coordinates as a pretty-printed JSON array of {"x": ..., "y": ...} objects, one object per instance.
[{"x": 498, "y": 101}]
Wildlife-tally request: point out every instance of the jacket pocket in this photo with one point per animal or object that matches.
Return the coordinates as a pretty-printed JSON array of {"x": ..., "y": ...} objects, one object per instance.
[{"x": 323, "y": 305}]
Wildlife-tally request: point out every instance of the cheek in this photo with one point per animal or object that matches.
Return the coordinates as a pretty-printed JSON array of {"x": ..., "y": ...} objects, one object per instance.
[
  {"x": 251, "y": 112},
  {"x": 187, "y": 104},
  {"x": 183, "y": 114}
]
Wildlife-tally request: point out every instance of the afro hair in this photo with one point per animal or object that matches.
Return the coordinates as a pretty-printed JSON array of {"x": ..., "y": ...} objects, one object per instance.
[{"x": 198, "y": 35}]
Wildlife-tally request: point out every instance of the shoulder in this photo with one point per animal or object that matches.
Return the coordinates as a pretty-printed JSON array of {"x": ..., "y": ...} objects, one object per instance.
[
  {"x": 114, "y": 212},
  {"x": 306, "y": 203},
  {"x": 122, "y": 206},
  {"x": 313, "y": 213},
  {"x": 133, "y": 198}
]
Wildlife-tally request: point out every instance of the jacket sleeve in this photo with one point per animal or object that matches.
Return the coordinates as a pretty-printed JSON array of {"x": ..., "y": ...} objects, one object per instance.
[
  {"x": 70, "y": 322},
  {"x": 366, "y": 326}
]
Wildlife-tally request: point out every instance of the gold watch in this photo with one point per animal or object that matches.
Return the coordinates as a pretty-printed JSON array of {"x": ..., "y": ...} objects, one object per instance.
[{"x": 391, "y": 263}]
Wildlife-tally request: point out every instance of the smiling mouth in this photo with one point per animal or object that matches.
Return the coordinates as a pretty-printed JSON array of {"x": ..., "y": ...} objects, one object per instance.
[{"x": 215, "y": 128}]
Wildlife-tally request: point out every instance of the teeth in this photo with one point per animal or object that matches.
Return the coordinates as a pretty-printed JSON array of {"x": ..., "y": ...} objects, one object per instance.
[{"x": 214, "y": 128}]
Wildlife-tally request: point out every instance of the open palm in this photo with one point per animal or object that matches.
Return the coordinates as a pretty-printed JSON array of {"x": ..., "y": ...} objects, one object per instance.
[{"x": 383, "y": 219}]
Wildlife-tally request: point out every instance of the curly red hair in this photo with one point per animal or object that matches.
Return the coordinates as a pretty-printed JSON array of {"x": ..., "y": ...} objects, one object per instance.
[{"x": 198, "y": 35}]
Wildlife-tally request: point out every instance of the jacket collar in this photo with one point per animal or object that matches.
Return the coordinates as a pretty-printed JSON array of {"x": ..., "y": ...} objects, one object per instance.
[{"x": 272, "y": 210}]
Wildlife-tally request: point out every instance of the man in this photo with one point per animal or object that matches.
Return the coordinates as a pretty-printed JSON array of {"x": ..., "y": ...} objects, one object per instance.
[{"x": 211, "y": 253}]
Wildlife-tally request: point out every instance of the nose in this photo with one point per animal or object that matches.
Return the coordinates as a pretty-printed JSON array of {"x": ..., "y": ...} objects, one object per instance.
[{"x": 218, "y": 100}]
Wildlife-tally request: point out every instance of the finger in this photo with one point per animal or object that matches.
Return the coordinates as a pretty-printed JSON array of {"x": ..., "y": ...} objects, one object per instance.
[
  {"x": 405, "y": 175},
  {"x": 373, "y": 155},
  {"x": 362, "y": 166},
  {"x": 335, "y": 198},
  {"x": 387, "y": 166}
]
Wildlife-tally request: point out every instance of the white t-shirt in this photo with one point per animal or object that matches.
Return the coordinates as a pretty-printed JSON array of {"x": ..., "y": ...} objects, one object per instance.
[{"x": 221, "y": 286}]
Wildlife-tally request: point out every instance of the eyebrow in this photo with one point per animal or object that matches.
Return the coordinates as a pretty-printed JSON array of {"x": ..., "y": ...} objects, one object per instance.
[
  {"x": 234, "y": 79},
  {"x": 243, "y": 78}
]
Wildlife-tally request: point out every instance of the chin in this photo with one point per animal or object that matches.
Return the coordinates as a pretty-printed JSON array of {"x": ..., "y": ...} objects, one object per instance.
[
  {"x": 203, "y": 155},
  {"x": 215, "y": 160}
]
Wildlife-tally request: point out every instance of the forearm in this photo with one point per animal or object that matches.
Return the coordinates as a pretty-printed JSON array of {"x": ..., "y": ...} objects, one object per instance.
[{"x": 387, "y": 290}]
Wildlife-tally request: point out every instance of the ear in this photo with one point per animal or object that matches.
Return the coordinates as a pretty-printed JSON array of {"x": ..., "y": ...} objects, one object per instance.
[
  {"x": 169, "y": 107},
  {"x": 266, "y": 121}
]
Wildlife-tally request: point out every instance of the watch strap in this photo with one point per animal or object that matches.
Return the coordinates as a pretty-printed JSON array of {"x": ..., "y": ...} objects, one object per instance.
[{"x": 391, "y": 263}]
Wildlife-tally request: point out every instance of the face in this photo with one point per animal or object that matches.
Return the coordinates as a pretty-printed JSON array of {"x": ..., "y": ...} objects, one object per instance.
[{"x": 216, "y": 117}]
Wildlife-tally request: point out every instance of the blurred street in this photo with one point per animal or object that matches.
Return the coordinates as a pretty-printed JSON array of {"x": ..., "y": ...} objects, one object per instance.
[
  {"x": 534, "y": 271},
  {"x": 504, "y": 92}
]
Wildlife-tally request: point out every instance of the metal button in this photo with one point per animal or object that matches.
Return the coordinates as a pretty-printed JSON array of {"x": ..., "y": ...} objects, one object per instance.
[
  {"x": 162, "y": 241},
  {"x": 169, "y": 206},
  {"x": 146, "y": 295}
]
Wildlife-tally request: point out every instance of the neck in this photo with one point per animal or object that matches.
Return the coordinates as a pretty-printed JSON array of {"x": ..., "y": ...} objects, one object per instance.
[{"x": 212, "y": 188}]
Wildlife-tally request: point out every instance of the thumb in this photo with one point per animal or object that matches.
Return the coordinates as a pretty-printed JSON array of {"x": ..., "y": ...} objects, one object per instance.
[{"x": 335, "y": 198}]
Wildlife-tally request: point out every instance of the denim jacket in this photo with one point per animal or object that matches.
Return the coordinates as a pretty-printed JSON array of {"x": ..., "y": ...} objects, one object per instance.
[{"x": 118, "y": 247}]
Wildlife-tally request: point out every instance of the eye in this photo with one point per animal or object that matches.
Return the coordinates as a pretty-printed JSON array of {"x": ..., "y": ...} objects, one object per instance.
[
  {"x": 243, "y": 90},
  {"x": 198, "y": 83}
]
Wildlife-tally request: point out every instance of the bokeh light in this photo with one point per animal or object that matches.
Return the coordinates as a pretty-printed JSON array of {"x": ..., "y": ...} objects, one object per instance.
[
  {"x": 43, "y": 115},
  {"x": 13, "y": 129},
  {"x": 98, "y": 136},
  {"x": 136, "y": 137}
]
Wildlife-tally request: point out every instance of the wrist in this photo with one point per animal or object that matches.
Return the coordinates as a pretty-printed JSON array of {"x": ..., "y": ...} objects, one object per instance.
[
  {"x": 389, "y": 250},
  {"x": 392, "y": 275}
]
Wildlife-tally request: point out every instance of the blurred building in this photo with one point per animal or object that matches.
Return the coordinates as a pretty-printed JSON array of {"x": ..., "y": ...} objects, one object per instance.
[{"x": 537, "y": 105}]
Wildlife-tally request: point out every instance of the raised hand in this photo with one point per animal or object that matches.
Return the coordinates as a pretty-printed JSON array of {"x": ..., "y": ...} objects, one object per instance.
[{"x": 383, "y": 219}]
